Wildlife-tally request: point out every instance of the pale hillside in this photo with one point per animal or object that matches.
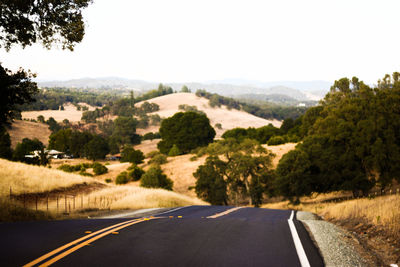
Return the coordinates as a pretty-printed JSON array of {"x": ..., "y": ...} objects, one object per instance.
[
  {"x": 70, "y": 112},
  {"x": 27, "y": 129},
  {"x": 279, "y": 151},
  {"x": 229, "y": 119}
]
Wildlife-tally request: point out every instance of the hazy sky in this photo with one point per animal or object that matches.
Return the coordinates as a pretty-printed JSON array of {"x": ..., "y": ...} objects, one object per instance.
[{"x": 266, "y": 40}]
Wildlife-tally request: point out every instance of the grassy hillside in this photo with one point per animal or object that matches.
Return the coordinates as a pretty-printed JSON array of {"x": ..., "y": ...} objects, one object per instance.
[
  {"x": 26, "y": 129},
  {"x": 24, "y": 178},
  {"x": 229, "y": 119},
  {"x": 70, "y": 112}
]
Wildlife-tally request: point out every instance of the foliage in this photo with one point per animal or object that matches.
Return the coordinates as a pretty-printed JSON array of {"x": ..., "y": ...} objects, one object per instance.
[
  {"x": 26, "y": 147},
  {"x": 186, "y": 107},
  {"x": 218, "y": 126},
  {"x": 135, "y": 172},
  {"x": 125, "y": 131},
  {"x": 352, "y": 141},
  {"x": 243, "y": 166},
  {"x": 185, "y": 130},
  {"x": 129, "y": 154},
  {"x": 16, "y": 89},
  {"x": 174, "y": 151},
  {"x": 210, "y": 184},
  {"x": 262, "y": 134},
  {"x": 99, "y": 168},
  {"x": 122, "y": 178},
  {"x": 185, "y": 89},
  {"x": 5, "y": 144},
  {"x": 53, "y": 125},
  {"x": 158, "y": 159},
  {"x": 96, "y": 148},
  {"x": 277, "y": 140},
  {"x": 151, "y": 136},
  {"x": 154, "y": 178},
  {"x": 25, "y": 23}
]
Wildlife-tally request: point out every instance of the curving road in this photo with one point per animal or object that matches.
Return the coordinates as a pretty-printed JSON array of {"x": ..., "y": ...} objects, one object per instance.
[{"x": 189, "y": 236}]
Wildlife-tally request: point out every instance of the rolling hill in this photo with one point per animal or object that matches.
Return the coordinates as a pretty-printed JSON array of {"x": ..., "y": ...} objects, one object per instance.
[{"x": 229, "y": 119}]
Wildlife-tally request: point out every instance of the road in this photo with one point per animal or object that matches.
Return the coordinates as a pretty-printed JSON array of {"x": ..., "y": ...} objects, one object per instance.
[{"x": 189, "y": 236}]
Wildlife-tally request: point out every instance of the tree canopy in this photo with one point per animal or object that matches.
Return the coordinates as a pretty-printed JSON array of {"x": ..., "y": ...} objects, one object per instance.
[
  {"x": 352, "y": 141},
  {"x": 186, "y": 130},
  {"x": 27, "y": 22}
]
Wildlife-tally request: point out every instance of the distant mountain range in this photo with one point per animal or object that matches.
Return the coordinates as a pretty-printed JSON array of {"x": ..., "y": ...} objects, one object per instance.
[{"x": 284, "y": 90}]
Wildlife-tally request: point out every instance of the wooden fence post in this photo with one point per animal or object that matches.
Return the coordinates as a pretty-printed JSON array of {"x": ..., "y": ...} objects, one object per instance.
[
  {"x": 57, "y": 203},
  {"x": 65, "y": 201}
]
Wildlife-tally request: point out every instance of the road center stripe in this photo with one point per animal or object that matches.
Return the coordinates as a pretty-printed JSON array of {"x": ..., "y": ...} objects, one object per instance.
[
  {"x": 297, "y": 243},
  {"x": 51, "y": 253},
  {"x": 223, "y": 213}
]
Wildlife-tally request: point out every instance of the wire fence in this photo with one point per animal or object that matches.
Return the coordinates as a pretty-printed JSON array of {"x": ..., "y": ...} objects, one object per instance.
[{"x": 61, "y": 203}]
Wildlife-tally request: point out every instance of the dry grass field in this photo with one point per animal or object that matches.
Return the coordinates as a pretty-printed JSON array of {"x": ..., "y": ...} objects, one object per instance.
[
  {"x": 229, "y": 119},
  {"x": 135, "y": 197},
  {"x": 24, "y": 178},
  {"x": 70, "y": 112},
  {"x": 279, "y": 151},
  {"x": 26, "y": 129}
]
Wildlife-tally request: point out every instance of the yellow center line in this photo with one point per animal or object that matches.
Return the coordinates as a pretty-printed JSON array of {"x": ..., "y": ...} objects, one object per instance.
[
  {"x": 223, "y": 213},
  {"x": 87, "y": 242},
  {"x": 51, "y": 253}
]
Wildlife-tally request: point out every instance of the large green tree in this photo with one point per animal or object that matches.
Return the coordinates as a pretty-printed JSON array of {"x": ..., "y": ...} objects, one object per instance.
[
  {"x": 352, "y": 141},
  {"x": 186, "y": 130},
  {"x": 241, "y": 170}
]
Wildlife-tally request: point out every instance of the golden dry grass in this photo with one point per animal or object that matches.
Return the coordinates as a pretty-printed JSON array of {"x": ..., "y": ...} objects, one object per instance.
[
  {"x": 229, "y": 119},
  {"x": 70, "y": 112},
  {"x": 26, "y": 129},
  {"x": 279, "y": 151},
  {"x": 147, "y": 146},
  {"x": 24, "y": 178},
  {"x": 382, "y": 211},
  {"x": 134, "y": 197},
  {"x": 180, "y": 170}
]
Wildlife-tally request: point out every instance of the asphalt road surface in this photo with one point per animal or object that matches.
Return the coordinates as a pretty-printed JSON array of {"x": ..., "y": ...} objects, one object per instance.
[{"x": 189, "y": 236}]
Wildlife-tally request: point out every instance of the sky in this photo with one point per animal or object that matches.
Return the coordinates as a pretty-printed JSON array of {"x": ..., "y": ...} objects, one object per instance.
[{"x": 197, "y": 41}]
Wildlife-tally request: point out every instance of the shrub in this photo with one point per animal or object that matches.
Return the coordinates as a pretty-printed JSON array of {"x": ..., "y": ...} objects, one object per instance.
[
  {"x": 66, "y": 168},
  {"x": 174, "y": 151},
  {"x": 152, "y": 154},
  {"x": 276, "y": 140},
  {"x": 108, "y": 180},
  {"x": 131, "y": 155},
  {"x": 154, "y": 178},
  {"x": 99, "y": 169},
  {"x": 135, "y": 172},
  {"x": 158, "y": 159},
  {"x": 122, "y": 178}
]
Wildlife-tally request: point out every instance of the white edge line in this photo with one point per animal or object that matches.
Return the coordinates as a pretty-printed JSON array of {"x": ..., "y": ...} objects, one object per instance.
[{"x": 297, "y": 243}]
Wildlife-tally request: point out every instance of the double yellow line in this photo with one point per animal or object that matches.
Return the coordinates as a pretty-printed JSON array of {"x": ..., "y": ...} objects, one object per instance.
[{"x": 77, "y": 244}]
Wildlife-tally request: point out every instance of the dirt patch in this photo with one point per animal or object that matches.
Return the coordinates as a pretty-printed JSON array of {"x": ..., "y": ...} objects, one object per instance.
[{"x": 379, "y": 246}]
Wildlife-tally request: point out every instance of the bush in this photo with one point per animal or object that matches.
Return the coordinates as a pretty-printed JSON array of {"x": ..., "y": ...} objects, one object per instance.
[
  {"x": 99, "y": 169},
  {"x": 158, "y": 159},
  {"x": 276, "y": 140},
  {"x": 174, "y": 151},
  {"x": 66, "y": 168},
  {"x": 154, "y": 178},
  {"x": 108, "y": 180},
  {"x": 152, "y": 154},
  {"x": 135, "y": 172},
  {"x": 122, "y": 178},
  {"x": 131, "y": 155}
]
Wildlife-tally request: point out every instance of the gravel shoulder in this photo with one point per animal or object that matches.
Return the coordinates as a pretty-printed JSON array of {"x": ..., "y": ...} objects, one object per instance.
[{"x": 337, "y": 246}]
